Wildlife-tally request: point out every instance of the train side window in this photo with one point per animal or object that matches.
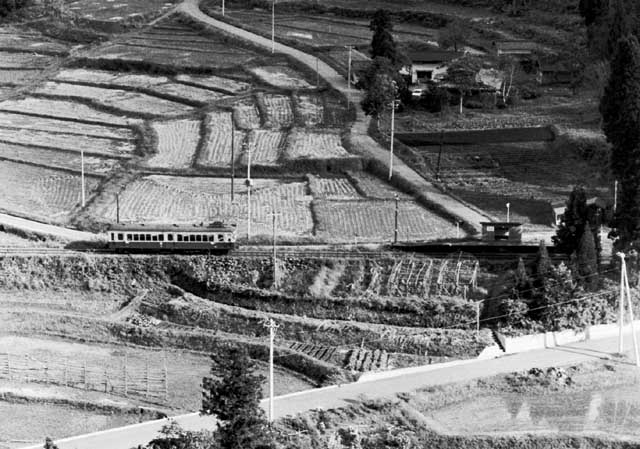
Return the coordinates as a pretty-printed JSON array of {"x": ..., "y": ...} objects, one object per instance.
[
  {"x": 149, "y": 237},
  {"x": 170, "y": 237},
  {"x": 212, "y": 238},
  {"x": 161, "y": 237},
  {"x": 179, "y": 237},
  {"x": 154, "y": 237},
  {"x": 221, "y": 237},
  {"x": 192, "y": 238},
  {"x": 113, "y": 236},
  {"x": 120, "y": 236},
  {"x": 128, "y": 236},
  {"x": 136, "y": 237},
  {"x": 198, "y": 238}
]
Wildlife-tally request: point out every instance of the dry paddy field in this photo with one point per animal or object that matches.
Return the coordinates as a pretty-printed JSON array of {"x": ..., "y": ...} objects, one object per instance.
[
  {"x": 115, "y": 10},
  {"x": 171, "y": 199},
  {"x": 316, "y": 144},
  {"x": 171, "y": 44},
  {"x": 279, "y": 112},
  {"x": 177, "y": 143},
  {"x": 281, "y": 77},
  {"x": 45, "y": 194}
]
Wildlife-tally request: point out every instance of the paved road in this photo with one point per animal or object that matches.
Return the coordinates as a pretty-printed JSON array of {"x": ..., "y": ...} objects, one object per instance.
[
  {"x": 360, "y": 140},
  {"x": 336, "y": 396}
]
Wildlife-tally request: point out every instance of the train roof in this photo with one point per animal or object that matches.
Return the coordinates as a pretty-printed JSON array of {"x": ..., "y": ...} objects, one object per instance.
[{"x": 216, "y": 226}]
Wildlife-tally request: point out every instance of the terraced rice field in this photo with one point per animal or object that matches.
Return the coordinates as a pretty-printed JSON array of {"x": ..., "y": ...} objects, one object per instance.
[
  {"x": 20, "y": 121},
  {"x": 171, "y": 44},
  {"x": 65, "y": 160},
  {"x": 373, "y": 187},
  {"x": 310, "y": 109},
  {"x": 65, "y": 109},
  {"x": 225, "y": 85},
  {"x": 128, "y": 102},
  {"x": 177, "y": 143},
  {"x": 266, "y": 147},
  {"x": 333, "y": 189},
  {"x": 19, "y": 77},
  {"x": 216, "y": 150},
  {"x": 68, "y": 142},
  {"x": 171, "y": 199},
  {"x": 279, "y": 111},
  {"x": 246, "y": 114},
  {"x": 13, "y": 39},
  {"x": 374, "y": 221},
  {"x": 12, "y": 60},
  {"x": 42, "y": 193},
  {"x": 325, "y": 144},
  {"x": 281, "y": 76},
  {"x": 116, "y": 11}
]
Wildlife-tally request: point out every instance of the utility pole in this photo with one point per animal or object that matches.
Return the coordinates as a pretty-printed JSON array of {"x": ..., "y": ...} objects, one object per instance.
[
  {"x": 272, "y": 326},
  {"x": 233, "y": 157},
  {"x": 223, "y": 7},
  {"x": 273, "y": 26},
  {"x": 317, "y": 71},
  {"x": 395, "y": 229},
  {"x": 117, "y": 208},
  {"x": 626, "y": 291},
  {"x": 82, "y": 175},
  {"x": 615, "y": 195},
  {"x": 393, "y": 120},
  {"x": 508, "y": 206},
  {"x": 274, "y": 261},
  {"x": 439, "y": 155},
  {"x": 349, "y": 77},
  {"x": 248, "y": 182}
]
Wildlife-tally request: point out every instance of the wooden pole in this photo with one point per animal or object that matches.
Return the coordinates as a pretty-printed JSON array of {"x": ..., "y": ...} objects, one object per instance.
[
  {"x": 621, "y": 305},
  {"x": 106, "y": 380},
  {"x": 478, "y": 317},
  {"x": 633, "y": 329},
  {"x": 166, "y": 382},
  {"x": 146, "y": 375},
  {"x": 233, "y": 156},
  {"x": 125, "y": 374}
]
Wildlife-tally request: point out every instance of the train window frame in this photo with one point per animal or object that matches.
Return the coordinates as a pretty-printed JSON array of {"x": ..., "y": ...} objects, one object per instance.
[
  {"x": 170, "y": 237},
  {"x": 179, "y": 238},
  {"x": 148, "y": 237},
  {"x": 120, "y": 236},
  {"x": 192, "y": 238},
  {"x": 129, "y": 237},
  {"x": 136, "y": 237},
  {"x": 154, "y": 237},
  {"x": 221, "y": 237},
  {"x": 161, "y": 237},
  {"x": 212, "y": 238},
  {"x": 198, "y": 238},
  {"x": 113, "y": 236}
]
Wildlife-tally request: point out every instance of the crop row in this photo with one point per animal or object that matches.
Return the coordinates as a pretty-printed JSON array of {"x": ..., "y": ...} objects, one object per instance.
[
  {"x": 278, "y": 110},
  {"x": 216, "y": 149},
  {"x": 332, "y": 188},
  {"x": 281, "y": 76},
  {"x": 38, "y": 192},
  {"x": 325, "y": 144},
  {"x": 15, "y": 120},
  {"x": 177, "y": 143}
]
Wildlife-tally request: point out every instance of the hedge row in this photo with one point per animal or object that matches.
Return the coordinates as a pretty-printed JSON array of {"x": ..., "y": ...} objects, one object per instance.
[{"x": 477, "y": 137}]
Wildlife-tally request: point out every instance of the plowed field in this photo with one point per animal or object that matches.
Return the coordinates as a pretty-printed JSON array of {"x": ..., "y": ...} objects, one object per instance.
[
  {"x": 169, "y": 199},
  {"x": 246, "y": 114},
  {"x": 279, "y": 112},
  {"x": 310, "y": 109},
  {"x": 216, "y": 150},
  {"x": 11, "y": 120},
  {"x": 374, "y": 221},
  {"x": 333, "y": 188},
  {"x": 41, "y": 193},
  {"x": 226, "y": 85},
  {"x": 65, "y": 110},
  {"x": 127, "y": 102},
  {"x": 281, "y": 76},
  {"x": 177, "y": 143},
  {"x": 265, "y": 146},
  {"x": 315, "y": 145}
]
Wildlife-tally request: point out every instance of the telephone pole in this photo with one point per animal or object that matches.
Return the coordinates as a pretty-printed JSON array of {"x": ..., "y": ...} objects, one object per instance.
[
  {"x": 233, "y": 157},
  {"x": 248, "y": 183},
  {"x": 349, "y": 77},
  {"x": 395, "y": 229},
  {"x": 82, "y": 175},
  {"x": 272, "y": 326},
  {"x": 273, "y": 26}
]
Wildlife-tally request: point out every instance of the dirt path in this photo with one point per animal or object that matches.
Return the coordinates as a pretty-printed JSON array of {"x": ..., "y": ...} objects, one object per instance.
[
  {"x": 360, "y": 140},
  {"x": 47, "y": 230}
]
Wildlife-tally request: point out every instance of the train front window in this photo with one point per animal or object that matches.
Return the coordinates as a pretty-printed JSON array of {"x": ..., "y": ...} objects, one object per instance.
[{"x": 221, "y": 237}]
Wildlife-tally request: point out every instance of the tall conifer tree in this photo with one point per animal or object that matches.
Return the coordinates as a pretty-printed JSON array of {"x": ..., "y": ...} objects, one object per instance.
[{"x": 620, "y": 109}]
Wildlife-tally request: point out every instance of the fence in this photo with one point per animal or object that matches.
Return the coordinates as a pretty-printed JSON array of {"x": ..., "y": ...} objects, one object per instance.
[{"x": 120, "y": 379}]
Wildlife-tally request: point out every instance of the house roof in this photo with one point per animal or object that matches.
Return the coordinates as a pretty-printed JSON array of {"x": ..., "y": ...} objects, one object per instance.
[
  {"x": 516, "y": 46},
  {"x": 433, "y": 56}
]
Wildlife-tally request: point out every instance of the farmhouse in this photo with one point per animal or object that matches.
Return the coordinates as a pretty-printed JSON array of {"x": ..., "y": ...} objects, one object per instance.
[{"x": 428, "y": 65}]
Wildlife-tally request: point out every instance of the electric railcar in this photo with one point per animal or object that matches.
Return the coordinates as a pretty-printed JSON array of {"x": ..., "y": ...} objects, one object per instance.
[{"x": 214, "y": 237}]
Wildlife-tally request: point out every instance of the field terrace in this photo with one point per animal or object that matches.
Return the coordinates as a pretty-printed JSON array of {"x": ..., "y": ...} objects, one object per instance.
[{"x": 156, "y": 113}]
